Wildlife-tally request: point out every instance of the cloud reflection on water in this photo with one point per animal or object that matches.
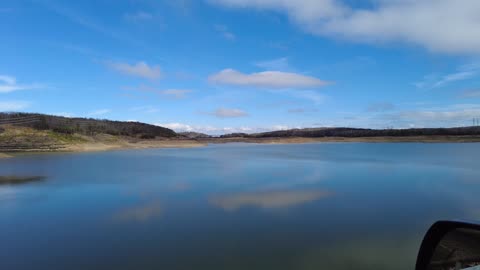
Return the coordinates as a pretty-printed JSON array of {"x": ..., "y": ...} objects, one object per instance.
[
  {"x": 267, "y": 199},
  {"x": 142, "y": 213}
]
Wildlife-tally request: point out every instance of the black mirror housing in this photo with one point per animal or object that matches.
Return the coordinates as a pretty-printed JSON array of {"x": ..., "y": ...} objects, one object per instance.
[{"x": 450, "y": 245}]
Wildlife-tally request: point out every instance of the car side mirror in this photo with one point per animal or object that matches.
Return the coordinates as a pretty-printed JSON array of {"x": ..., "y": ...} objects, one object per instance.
[{"x": 450, "y": 245}]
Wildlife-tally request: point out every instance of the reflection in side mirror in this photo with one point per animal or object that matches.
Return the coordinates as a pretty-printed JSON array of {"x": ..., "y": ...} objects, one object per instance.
[{"x": 450, "y": 245}]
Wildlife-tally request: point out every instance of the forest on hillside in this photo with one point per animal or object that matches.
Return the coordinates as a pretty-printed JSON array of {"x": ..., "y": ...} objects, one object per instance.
[{"x": 85, "y": 126}]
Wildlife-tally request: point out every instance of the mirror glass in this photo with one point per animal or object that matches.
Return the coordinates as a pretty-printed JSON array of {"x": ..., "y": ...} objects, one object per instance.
[{"x": 458, "y": 249}]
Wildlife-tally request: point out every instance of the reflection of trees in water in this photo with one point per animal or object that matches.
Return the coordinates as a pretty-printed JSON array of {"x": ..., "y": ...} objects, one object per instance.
[{"x": 14, "y": 180}]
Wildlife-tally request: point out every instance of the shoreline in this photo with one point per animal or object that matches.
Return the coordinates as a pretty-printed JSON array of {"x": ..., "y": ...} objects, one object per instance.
[
  {"x": 301, "y": 140},
  {"x": 202, "y": 142}
]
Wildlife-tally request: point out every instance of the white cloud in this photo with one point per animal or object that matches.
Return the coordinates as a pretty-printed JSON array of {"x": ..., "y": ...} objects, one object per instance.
[
  {"x": 176, "y": 93},
  {"x": 228, "y": 113},
  {"x": 275, "y": 64},
  {"x": 9, "y": 84},
  {"x": 140, "y": 69},
  {"x": 266, "y": 79},
  {"x": 64, "y": 114},
  {"x": 99, "y": 112},
  {"x": 178, "y": 127},
  {"x": 464, "y": 115},
  {"x": 447, "y": 26},
  {"x": 223, "y": 29},
  {"x": 212, "y": 130},
  {"x": 12, "y": 106}
]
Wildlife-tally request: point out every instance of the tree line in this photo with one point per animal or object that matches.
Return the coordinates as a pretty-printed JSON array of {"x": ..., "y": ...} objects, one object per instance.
[{"x": 86, "y": 126}]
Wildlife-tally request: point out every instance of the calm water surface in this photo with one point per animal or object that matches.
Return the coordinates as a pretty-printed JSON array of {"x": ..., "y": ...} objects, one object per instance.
[{"x": 312, "y": 206}]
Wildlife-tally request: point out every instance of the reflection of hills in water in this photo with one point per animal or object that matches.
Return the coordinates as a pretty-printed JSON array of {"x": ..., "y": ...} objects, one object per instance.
[
  {"x": 267, "y": 199},
  {"x": 15, "y": 180}
]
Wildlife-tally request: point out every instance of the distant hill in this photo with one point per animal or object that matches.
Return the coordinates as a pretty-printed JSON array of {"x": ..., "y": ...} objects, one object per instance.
[
  {"x": 85, "y": 126},
  {"x": 359, "y": 132},
  {"x": 194, "y": 135},
  {"x": 235, "y": 135}
]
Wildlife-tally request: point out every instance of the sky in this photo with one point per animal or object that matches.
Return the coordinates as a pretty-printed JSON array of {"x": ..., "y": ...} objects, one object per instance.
[{"x": 222, "y": 66}]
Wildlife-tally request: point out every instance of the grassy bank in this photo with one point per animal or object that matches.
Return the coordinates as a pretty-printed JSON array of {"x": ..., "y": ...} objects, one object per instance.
[{"x": 15, "y": 139}]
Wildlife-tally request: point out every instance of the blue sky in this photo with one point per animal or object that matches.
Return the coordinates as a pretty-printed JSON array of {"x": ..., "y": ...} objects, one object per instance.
[{"x": 219, "y": 66}]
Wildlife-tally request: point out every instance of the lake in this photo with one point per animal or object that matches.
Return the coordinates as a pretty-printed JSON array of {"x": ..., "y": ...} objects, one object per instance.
[{"x": 235, "y": 206}]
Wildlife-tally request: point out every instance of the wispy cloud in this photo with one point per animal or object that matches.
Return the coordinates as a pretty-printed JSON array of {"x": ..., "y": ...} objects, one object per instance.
[
  {"x": 140, "y": 69},
  {"x": 301, "y": 110},
  {"x": 223, "y": 30},
  {"x": 145, "y": 109},
  {"x": 9, "y": 84},
  {"x": 228, "y": 113},
  {"x": 266, "y": 79},
  {"x": 279, "y": 64},
  {"x": 138, "y": 16},
  {"x": 462, "y": 73},
  {"x": 99, "y": 112},
  {"x": 474, "y": 93},
  {"x": 442, "y": 115},
  {"x": 310, "y": 95},
  {"x": 277, "y": 45},
  {"x": 176, "y": 93},
  {"x": 12, "y": 106},
  {"x": 85, "y": 21},
  {"x": 380, "y": 107},
  {"x": 446, "y": 116},
  {"x": 171, "y": 93},
  {"x": 457, "y": 76}
]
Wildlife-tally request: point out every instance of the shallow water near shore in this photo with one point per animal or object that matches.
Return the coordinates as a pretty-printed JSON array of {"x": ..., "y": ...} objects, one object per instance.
[{"x": 235, "y": 206}]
